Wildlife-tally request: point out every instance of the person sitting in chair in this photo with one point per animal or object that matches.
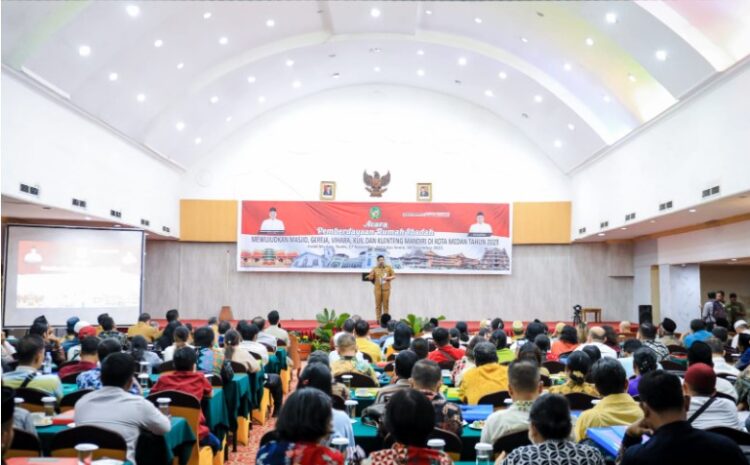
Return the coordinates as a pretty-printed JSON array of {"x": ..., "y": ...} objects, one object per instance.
[{"x": 348, "y": 362}]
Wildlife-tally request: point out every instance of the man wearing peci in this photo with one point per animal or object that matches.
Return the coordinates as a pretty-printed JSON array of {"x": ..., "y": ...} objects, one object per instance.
[
  {"x": 480, "y": 227},
  {"x": 381, "y": 276},
  {"x": 272, "y": 225}
]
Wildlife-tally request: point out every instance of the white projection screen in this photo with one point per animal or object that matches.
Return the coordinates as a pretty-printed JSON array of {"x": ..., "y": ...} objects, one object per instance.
[{"x": 61, "y": 272}]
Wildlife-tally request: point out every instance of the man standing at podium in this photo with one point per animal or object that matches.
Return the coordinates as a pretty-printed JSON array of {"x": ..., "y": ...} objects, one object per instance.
[{"x": 381, "y": 276}]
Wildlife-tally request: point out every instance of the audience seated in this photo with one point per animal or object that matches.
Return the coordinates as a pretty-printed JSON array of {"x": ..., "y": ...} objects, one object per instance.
[
  {"x": 697, "y": 332},
  {"x": 166, "y": 340},
  {"x": 400, "y": 340},
  {"x": 348, "y": 362},
  {"x": 445, "y": 352},
  {"x": 41, "y": 328},
  {"x": 597, "y": 338},
  {"x": 318, "y": 376},
  {"x": 8, "y": 406},
  {"x": 71, "y": 335},
  {"x": 549, "y": 427},
  {"x": 531, "y": 353},
  {"x": 706, "y": 410},
  {"x": 647, "y": 336},
  {"x": 743, "y": 346},
  {"x": 304, "y": 422},
  {"x": 577, "y": 368},
  {"x": 83, "y": 330},
  {"x": 179, "y": 335},
  {"x": 644, "y": 361},
  {"x": 504, "y": 354},
  {"x": 466, "y": 362},
  {"x": 87, "y": 361},
  {"x": 625, "y": 329},
  {"x": 381, "y": 330},
  {"x": 109, "y": 331},
  {"x": 274, "y": 328},
  {"x": 364, "y": 344},
  {"x": 338, "y": 389},
  {"x": 210, "y": 358},
  {"x": 533, "y": 329},
  {"x": 673, "y": 440},
  {"x": 233, "y": 351},
  {"x": 186, "y": 379},
  {"x": 30, "y": 353},
  {"x": 409, "y": 419},
  {"x": 557, "y": 331},
  {"x": 112, "y": 407},
  {"x": 542, "y": 342},
  {"x": 172, "y": 315},
  {"x": 420, "y": 346},
  {"x": 426, "y": 378},
  {"x": 249, "y": 333},
  {"x": 427, "y": 330},
  {"x": 403, "y": 365},
  {"x": 717, "y": 356},
  {"x": 629, "y": 347},
  {"x": 139, "y": 351},
  {"x": 616, "y": 406},
  {"x": 666, "y": 333},
  {"x": 567, "y": 341},
  {"x": 463, "y": 333},
  {"x": 611, "y": 339},
  {"x": 264, "y": 337},
  {"x": 721, "y": 334},
  {"x": 222, "y": 329},
  {"x": 524, "y": 386},
  {"x": 346, "y": 328},
  {"x": 92, "y": 379},
  {"x": 740, "y": 327},
  {"x": 144, "y": 328},
  {"x": 700, "y": 352},
  {"x": 487, "y": 377}
]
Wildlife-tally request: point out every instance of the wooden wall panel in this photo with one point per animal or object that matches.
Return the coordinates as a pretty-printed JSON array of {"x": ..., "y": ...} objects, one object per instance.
[
  {"x": 208, "y": 220},
  {"x": 541, "y": 222}
]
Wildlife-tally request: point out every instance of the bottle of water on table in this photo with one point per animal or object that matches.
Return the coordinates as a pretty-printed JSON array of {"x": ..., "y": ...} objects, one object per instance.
[{"x": 47, "y": 367}]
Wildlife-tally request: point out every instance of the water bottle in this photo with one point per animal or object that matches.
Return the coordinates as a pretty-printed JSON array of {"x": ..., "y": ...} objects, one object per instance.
[
  {"x": 342, "y": 445},
  {"x": 484, "y": 453},
  {"x": 438, "y": 445},
  {"x": 47, "y": 367}
]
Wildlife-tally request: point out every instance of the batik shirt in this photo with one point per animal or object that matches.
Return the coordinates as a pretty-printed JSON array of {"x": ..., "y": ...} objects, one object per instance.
[
  {"x": 92, "y": 379},
  {"x": 290, "y": 453},
  {"x": 400, "y": 454},
  {"x": 555, "y": 452}
]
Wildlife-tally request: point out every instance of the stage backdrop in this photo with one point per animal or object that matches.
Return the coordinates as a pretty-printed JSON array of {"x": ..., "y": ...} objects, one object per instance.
[{"x": 437, "y": 238}]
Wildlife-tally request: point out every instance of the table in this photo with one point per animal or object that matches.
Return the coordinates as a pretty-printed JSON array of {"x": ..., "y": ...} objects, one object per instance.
[
  {"x": 596, "y": 312},
  {"x": 179, "y": 440},
  {"x": 609, "y": 438},
  {"x": 451, "y": 394}
]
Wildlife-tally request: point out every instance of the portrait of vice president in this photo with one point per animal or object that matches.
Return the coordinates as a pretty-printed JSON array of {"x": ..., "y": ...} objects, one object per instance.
[{"x": 272, "y": 225}]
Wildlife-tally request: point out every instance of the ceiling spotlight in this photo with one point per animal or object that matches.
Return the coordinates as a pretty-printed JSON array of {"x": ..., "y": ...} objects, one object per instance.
[
  {"x": 589, "y": 41},
  {"x": 375, "y": 13},
  {"x": 623, "y": 229},
  {"x": 289, "y": 63},
  {"x": 606, "y": 98},
  {"x": 376, "y": 69},
  {"x": 538, "y": 98},
  {"x": 296, "y": 84},
  {"x": 571, "y": 126},
  {"x": 198, "y": 141},
  {"x": 420, "y": 72},
  {"x": 420, "y": 52},
  {"x": 223, "y": 40},
  {"x": 478, "y": 20},
  {"x": 179, "y": 126},
  {"x": 88, "y": 218},
  {"x": 158, "y": 43},
  {"x": 180, "y": 65},
  {"x": 734, "y": 259},
  {"x": 567, "y": 66},
  {"x": 692, "y": 210},
  {"x": 141, "y": 98},
  {"x": 524, "y": 40},
  {"x": 228, "y": 119},
  {"x": 462, "y": 61},
  {"x": 652, "y": 221},
  {"x": 261, "y": 99},
  {"x": 489, "y": 93},
  {"x": 113, "y": 76},
  {"x": 558, "y": 143},
  {"x": 661, "y": 55},
  {"x": 84, "y": 50},
  {"x": 336, "y": 75},
  {"x": 207, "y": 15},
  {"x": 428, "y": 12},
  {"x": 133, "y": 10},
  {"x": 631, "y": 78},
  {"x": 251, "y": 79},
  {"x": 214, "y": 99},
  {"x": 502, "y": 75},
  {"x": 270, "y": 23},
  {"x": 611, "y": 18},
  {"x": 117, "y": 225},
  {"x": 601, "y": 234}
]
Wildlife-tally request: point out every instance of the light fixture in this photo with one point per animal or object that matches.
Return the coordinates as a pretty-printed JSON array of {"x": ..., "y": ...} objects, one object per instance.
[
  {"x": 558, "y": 143},
  {"x": 289, "y": 63},
  {"x": 141, "y": 98},
  {"x": 214, "y": 99},
  {"x": 462, "y": 61},
  {"x": 180, "y": 126},
  {"x": 502, "y": 75},
  {"x": 113, "y": 76},
  {"x": 32, "y": 256},
  {"x": 375, "y": 13},
  {"x": 376, "y": 69},
  {"x": 623, "y": 229},
  {"x": 133, "y": 10},
  {"x": 117, "y": 225},
  {"x": 571, "y": 126},
  {"x": 296, "y": 84},
  {"x": 631, "y": 78},
  {"x": 84, "y": 50},
  {"x": 261, "y": 99},
  {"x": 489, "y": 93},
  {"x": 734, "y": 259},
  {"x": 336, "y": 75},
  {"x": 567, "y": 66},
  {"x": 589, "y": 41},
  {"x": 524, "y": 40},
  {"x": 478, "y": 20},
  {"x": 158, "y": 43},
  {"x": 692, "y": 210},
  {"x": 251, "y": 79},
  {"x": 420, "y": 52},
  {"x": 146, "y": 234},
  {"x": 198, "y": 141},
  {"x": 601, "y": 234},
  {"x": 180, "y": 65},
  {"x": 420, "y": 72},
  {"x": 87, "y": 218},
  {"x": 223, "y": 40},
  {"x": 538, "y": 98},
  {"x": 228, "y": 119},
  {"x": 611, "y": 18},
  {"x": 428, "y": 12},
  {"x": 661, "y": 55},
  {"x": 652, "y": 221},
  {"x": 207, "y": 15},
  {"x": 270, "y": 23}
]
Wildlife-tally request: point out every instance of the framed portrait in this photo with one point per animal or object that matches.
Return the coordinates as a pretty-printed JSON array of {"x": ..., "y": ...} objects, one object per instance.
[
  {"x": 327, "y": 190},
  {"x": 424, "y": 192}
]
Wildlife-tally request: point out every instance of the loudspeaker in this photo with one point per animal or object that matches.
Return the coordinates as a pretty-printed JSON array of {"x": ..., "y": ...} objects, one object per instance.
[{"x": 645, "y": 314}]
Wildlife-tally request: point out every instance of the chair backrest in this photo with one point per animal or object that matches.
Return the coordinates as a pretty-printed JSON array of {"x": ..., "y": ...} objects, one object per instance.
[
  {"x": 256, "y": 356},
  {"x": 554, "y": 367},
  {"x": 508, "y": 443},
  {"x": 358, "y": 380},
  {"x": 269, "y": 348},
  {"x": 68, "y": 401},
  {"x": 71, "y": 378},
  {"x": 453, "y": 443},
  {"x": 672, "y": 366},
  {"x": 389, "y": 367},
  {"x": 367, "y": 357},
  {"x": 338, "y": 402},
  {"x": 447, "y": 365},
  {"x": 580, "y": 401},
  {"x": 294, "y": 350},
  {"x": 496, "y": 399},
  {"x": 546, "y": 380},
  {"x": 111, "y": 444},
  {"x": 24, "y": 445},
  {"x": 676, "y": 349},
  {"x": 215, "y": 380},
  {"x": 280, "y": 343},
  {"x": 32, "y": 399},
  {"x": 238, "y": 367},
  {"x": 166, "y": 367},
  {"x": 740, "y": 437},
  {"x": 182, "y": 405},
  {"x": 391, "y": 357}
]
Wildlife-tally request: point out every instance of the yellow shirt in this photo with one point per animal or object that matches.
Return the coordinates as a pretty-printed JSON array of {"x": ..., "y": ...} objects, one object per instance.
[
  {"x": 370, "y": 348},
  {"x": 143, "y": 329},
  {"x": 613, "y": 410},
  {"x": 480, "y": 381}
]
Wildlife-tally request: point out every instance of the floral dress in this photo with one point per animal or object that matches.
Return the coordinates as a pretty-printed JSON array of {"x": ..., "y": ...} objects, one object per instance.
[{"x": 290, "y": 453}]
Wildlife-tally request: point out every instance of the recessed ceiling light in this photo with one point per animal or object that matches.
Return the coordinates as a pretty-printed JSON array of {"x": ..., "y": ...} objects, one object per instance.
[
  {"x": 146, "y": 234},
  {"x": 113, "y": 76},
  {"x": 117, "y": 225},
  {"x": 228, "y": 119},
  {"x": 296, "y": 84},
  {"x": 652, "y": 221},
  {"x": 606, "y": 98},
  {"x": 420, "y": 52},
  {"x": 223, "y": 40},
  {"x": 489, "y": 93},
  {"x": 251, "y": 79},
  {"x": 214, "y": 99},
  {"x": 478, "y": 20},
  {"x": 428, "y": 12},
  {"x": 179, "y": 126},
  {"x": 180, "y": 65},
  {"x": 611, "y": 18},
  {"x": 524, "y": 40},
  {"x": 84, "y": 50},
  {"x": 133, "y": 10},
  {"x": 270, "y": 23},
  {"x": 734, "y": 259},
  {"x": 692, "y": 210},
  {"x": 538, "y": 98},
  {"x": 623, "y": 229},
  {"x": 567, "y": 66},
  {"x": 141, "y": 98},
  {"x": 420, "y": 72},
  {"x": 631, "y": 78},
  {"x": 661, "y": 55},
  {"x": 601, "y": 234},
  {"x": 376, "y": 69},
  {"x": 558, "y": 143},
  {"x": 336, "y": 75},
  {"x": 375, "y": 13},
  {"x": 261, "y": 99},
  {"x": 462, "y": 61},
  {"x": 207, "y": 15},
  {"x": 502, "y": 75},
  {"x": 289, "y": 63},
  {"x": 589, "y": 41},
  {"x": 88, "y": 218},
  {"x": 158, "y": 43},
  {"x": 571, "y": 126},
  {"x": 198, "y": 141}
]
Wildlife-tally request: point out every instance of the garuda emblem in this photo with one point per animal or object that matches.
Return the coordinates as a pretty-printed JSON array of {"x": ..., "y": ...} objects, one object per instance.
[{"x": 376, "y": 184}]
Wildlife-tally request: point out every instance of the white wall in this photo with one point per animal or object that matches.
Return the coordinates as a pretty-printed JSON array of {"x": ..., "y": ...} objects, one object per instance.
[
  {"x": 701, "y": 144},
  {"x": 469, "y": 154},
  {"x": 720, "y": 243},
  {"x": 679, "y": 291},
  {"x": 66, "y": 155}
]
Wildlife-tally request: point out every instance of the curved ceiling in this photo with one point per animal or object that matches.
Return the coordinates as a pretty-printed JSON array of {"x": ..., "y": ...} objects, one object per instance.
[{"x": 179, "y": 77}]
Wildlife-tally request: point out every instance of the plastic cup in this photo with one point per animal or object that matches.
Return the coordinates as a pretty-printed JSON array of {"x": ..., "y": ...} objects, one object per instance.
[
  {"x": 163, "y": 403},
  {"x": 86, "y": 452},
  {"x": 351, "y": 408},
  {"x": 49, "y": 406},
  {"x": 347, "y": 381},
  {"x": 436, "y": 444},
  {"x": 143, "y": 380},
  {"x": 18, "y": 401},
  {"x": 143, "y": 367}
]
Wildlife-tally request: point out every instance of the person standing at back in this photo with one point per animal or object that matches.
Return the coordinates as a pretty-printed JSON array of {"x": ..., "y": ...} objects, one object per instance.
[
  {"x": 143, "y": 328},
  {"x": 274, "y": 327}
]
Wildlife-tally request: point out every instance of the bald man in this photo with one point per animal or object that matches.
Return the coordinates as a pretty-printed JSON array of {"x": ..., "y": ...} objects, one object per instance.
[{"x": 597, "y": 336}]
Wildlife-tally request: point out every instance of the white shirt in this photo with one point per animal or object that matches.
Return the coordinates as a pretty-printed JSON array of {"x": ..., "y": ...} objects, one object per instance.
[
  {"x": 278, "y": 333},
  {"x": 736, "y": 339},
  {"x": 256, "y": 348},
  {"x": 722, "y": 367},
  {"x": 168, "y": 353},
  {"x": 722, "y": 412},
  {"x": 606, "y": 350},
  {"x": 501, "y": 423},
  {"x": 334, "y": 356},
  {"x": 480, "y": 228},
  {"x": 272, "y": 225},
  {"x": 725, "y": 387},
  {"x": 115, "y": 409}
]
